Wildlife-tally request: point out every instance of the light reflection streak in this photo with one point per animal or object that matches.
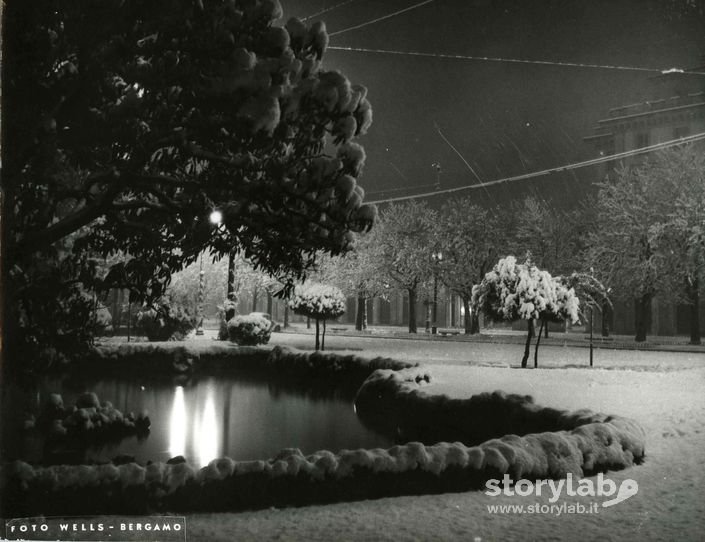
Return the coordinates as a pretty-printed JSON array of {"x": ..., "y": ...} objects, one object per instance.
[
  {"x": 177, "y": 424},
  {"x": 207, "y": 437}
]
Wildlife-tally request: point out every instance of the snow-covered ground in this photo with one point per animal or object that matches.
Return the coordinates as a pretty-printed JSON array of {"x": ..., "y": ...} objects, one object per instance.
[{"x": 663, "y": 391}]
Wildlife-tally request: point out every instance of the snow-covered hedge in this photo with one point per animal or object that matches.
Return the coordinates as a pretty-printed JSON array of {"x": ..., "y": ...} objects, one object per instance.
[
  {"x": 249, "y": 330},
  {"x": 166, "y": 358},
  {"x": 294, "y": 479}
]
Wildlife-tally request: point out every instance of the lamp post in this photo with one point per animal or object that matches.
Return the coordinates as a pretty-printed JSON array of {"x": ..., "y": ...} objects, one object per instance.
[
  {"x": 199, "y": 329},
  {"x": 437, "y": 259},
  {"x": 216, "y": 218},
  {"x": 592, "y": 308}
]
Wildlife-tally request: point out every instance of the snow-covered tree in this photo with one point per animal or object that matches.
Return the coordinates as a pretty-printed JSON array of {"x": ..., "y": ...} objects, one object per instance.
[
  {"x": 320, "y": 302},
  {"x": 406, "y": 241},
  {"x": 357, "y": 273},
  {"x": 513, "y": 291},
  {"x": 470, "y": 238},
  {"x": 648, "y": 232},
  {"x": 679, "y": 236}
]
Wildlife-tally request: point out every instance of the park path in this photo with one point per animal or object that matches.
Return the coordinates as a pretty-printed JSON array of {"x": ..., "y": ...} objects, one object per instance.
[{"x": 448, "y": 352}]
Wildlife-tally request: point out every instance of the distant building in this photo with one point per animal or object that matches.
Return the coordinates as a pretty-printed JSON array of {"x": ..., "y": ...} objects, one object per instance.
[{"x": 675, "y": 109}]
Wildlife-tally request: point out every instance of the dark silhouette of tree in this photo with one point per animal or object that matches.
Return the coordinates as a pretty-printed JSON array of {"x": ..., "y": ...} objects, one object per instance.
[{"x": 127, "y": 122}]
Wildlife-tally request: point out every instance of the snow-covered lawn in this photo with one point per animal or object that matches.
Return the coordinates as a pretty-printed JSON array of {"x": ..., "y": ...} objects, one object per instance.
[{"x": 662, "y": 391}]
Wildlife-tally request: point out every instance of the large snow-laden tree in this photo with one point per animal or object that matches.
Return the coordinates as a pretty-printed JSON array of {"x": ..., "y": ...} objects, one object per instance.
[
  {"x": 129, "y": 121},
  {"x": 624, "y": 247},
  {"x": 470, "y": 239},
  {"x": 513, "y": 291},
  {"x": 406, "y": 243},
  {"x": 678, "y": 175}
]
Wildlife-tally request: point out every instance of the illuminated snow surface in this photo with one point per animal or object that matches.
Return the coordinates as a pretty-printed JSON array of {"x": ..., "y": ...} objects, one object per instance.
[{"x": 662, "y": 391}]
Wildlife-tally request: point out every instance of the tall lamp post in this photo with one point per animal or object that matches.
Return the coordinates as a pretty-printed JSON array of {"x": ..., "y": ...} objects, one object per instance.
[
  {"x": 199, "y": 329},
  {"x": 437, "y": 259},
  {"x": 216, "y": 218}
]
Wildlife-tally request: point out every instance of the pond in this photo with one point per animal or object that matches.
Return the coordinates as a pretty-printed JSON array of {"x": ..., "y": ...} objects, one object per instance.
[{"x": 239, "y": 416}]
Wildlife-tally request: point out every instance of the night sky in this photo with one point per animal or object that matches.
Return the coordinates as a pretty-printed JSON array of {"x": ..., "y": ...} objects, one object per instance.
[{"x": 504, "y": 118}]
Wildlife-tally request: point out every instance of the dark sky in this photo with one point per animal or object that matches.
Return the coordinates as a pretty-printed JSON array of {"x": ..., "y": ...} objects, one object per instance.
[{"x": 504, "y": 118}]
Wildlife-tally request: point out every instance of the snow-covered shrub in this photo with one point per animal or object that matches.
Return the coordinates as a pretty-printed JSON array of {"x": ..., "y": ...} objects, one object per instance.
[
  {"x": 321, "y": 302},
  {"x": 165, "y": 321},
  {"x": 250, "y": 329}
]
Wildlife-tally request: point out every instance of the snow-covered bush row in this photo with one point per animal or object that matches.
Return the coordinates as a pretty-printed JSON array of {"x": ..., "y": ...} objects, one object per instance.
[
  {"x": 396, "y": 400},
  {"x": 291, "y": 362},
  {"x": 294, "y": 479},
  {"x": 249, "y": 329},
  {"x": 168, "y": 358}
]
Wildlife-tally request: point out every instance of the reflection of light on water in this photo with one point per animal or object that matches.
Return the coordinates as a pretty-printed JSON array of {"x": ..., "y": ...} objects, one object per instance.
[
  {"x": 177, "y": 425},
  {"x": 206, "y": 430}
]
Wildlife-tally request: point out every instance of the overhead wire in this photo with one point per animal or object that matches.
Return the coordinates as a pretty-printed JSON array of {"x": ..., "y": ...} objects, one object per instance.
[
  {"x": 378, "y": 19},
  {"x": 326, "y": 10},
  {"x": 577, "y": 165},
  {"x": 510, "y": 60}
]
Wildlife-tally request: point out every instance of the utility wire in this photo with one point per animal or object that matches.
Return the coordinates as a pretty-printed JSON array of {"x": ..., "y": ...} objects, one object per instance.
[
  {"x": 510, "y": 60},
  {"x": 326, "y": 10},
  {"x": 378, "y": 19},
  {"x": 577, "y": 165}
]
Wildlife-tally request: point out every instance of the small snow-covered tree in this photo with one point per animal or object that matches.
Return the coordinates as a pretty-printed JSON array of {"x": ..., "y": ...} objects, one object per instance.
[
  {"x": 513, "y": 291},
  {"x": 320, "y": 302}
]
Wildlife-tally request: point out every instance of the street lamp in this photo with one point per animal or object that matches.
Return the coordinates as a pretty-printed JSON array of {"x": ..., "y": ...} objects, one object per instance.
[{"x": 437, "y": 259}]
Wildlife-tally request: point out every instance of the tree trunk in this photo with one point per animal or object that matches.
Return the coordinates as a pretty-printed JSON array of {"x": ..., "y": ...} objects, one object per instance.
[
  {"x": 694, "y": 296},
  {"x": 270, "y": 303},
  {"x": 469, "y": 317},
  {"x": 527, "y": 347},
  {"x": 538, "y": 341},
  {"x": 286, "y": 315},
  {"x": 475, "y": 323},
  {"x": 230, "y": 293},
  {"x": 606, "y": 315},
  {"x": 255, "y": 295},
  {"x": 323, "y": 337},
  {"x": 361, "y": 314},
  {"x": 318, "y": 337},
  {"x": 412, "y": 310},
  {"x": 642, "y": 316}
]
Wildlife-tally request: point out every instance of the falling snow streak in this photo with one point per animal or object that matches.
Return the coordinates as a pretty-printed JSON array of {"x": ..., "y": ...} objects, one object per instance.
[
  {"x": 505, "y": 60},
  {"x": 398, "y": 171},
  {"x": 326, "y": 10},
  {"x": 378, "y": 19},
  {"x": 559, "y": 169},
  {"x": 456, "y": 151}
]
